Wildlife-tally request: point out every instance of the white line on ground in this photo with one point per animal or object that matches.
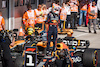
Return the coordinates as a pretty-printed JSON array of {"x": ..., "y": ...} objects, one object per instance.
[{"x": 81, "y": 34}]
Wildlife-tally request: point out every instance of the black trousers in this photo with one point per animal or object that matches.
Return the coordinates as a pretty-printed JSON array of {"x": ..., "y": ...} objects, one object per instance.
[
  {"x": 99, "y": 15},
  {"x": 7, "y": 59},
  {"x": 68, "y": 20},
  {"x": 73, "y": 19},
  {"x": 52, "y": 31}
]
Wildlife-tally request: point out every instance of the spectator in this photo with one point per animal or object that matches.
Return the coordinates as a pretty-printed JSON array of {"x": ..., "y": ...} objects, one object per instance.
[
  {"x": 39, "y": 14},
  {"x": 39, "y": 17},
  {"x": 74, "y": 10},
  {"x": 28, "y": 17},
  {"x": 4, "y": 44},
  {"x": 68, "y": 15},
  {"x": 63, "y": 15},
  {"x": 56, "y": 7},
  {"x": 98, "y": 6},
  {"x": 45, "y": 12},
  {"x": 83, "y": 10},
  {"x": 92, "y": 11}
]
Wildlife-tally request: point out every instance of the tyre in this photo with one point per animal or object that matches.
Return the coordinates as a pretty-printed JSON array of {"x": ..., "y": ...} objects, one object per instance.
[
  {"x": 90, "y": 58},
  {"x": 19, "y": 61},
  {"x": 78, "y": 65}
]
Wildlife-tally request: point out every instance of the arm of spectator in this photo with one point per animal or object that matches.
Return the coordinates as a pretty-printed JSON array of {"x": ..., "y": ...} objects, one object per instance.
[{"x": 24, "y": 18}]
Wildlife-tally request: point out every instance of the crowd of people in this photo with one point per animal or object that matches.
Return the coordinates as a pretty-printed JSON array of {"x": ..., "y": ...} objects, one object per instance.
[{"x": 68, "y": 13}]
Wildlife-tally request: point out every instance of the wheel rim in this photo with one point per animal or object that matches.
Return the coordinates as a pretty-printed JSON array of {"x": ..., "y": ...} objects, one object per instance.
[{"x": 95, "y": 59}]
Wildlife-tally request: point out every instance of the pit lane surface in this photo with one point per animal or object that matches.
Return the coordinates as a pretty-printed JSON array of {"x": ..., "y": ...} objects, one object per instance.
[{"x": 82, "y": 34}]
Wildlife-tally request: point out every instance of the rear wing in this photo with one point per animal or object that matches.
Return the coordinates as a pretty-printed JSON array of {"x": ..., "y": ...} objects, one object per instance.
[{"x": 77, "y": 43}]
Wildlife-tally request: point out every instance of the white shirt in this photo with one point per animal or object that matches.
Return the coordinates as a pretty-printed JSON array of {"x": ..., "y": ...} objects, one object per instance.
[
  {"x": 68, "y": 10},
  {"x": 98, "y": 5},
  {"x": 49, "y": 9}
]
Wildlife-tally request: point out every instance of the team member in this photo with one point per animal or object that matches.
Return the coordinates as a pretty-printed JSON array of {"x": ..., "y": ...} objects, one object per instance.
[
  {"x": 39, "y": 16},
  {"x": 56, "y": 7},
  {"x": 74, "y": 10},
  {"x": 2, "y": 22},
  {"x": 4, "y": 43},
  {"x": 98, "y": 5},
  {"x": 68, "y": 22},
  {"x": 28, "y": 17},
  {"x": 92, "y": 11},
  {"x": 83, "y": 10},
  {"x": 52, "y": 20},
  {"x": 63, "y": 16},
  {"x": 45, "y": 12}
]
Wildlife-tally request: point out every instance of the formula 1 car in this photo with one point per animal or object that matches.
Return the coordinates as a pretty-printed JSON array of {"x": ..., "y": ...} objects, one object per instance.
[
  {"x": 81, "y": 55},
  {"x": 70, "y": 52}
]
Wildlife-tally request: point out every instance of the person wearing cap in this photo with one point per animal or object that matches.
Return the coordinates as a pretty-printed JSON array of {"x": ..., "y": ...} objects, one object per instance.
[
  {"x": 4, "y": 44},
  {"x": 2, "y": 22},
  {"x": 28, "y": 17},
  {"x": 52, "y": 20},
  {"x": 92, "y": 12}
]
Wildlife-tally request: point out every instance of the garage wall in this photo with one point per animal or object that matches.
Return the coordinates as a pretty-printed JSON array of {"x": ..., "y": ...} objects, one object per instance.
[
  {"x": 5, "y": 13},
  {"x": 19, "y": 11}
]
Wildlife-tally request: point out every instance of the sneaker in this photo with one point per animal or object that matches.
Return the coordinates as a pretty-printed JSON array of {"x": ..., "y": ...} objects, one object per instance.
[
  {"x": 89, "y": 31},
  {"x": 75, "y": 28},
  {"x": 71, "y": 28},
  {"x": 95, "y": 32},
  {"x": 85, "y": 25}
]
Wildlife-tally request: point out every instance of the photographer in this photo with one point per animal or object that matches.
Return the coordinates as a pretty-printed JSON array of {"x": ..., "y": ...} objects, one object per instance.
[
  {"x": 4, "y": 43},
  {"x": 2, "y": 27}
]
